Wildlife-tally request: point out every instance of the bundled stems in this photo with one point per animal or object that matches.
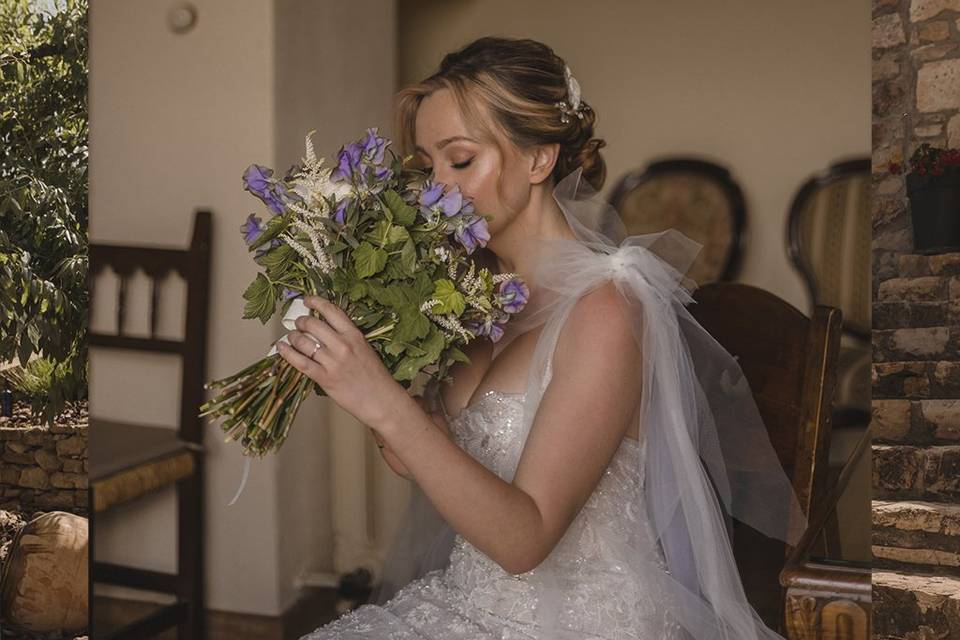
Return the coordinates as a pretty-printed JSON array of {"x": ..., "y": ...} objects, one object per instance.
[{"x": 260, "y": 402}]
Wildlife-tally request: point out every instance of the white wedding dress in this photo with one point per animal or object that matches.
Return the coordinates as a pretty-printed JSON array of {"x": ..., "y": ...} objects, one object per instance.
[
  {"x": 648, "y": 557},
  {"x": 474, "y": 598}
]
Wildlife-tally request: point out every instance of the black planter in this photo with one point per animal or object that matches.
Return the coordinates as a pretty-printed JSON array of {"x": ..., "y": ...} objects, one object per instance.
[{"x": 935, "y": 211}]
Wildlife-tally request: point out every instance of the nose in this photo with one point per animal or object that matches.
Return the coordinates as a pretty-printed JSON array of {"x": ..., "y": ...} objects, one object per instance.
[{"x": 444, "y": 175}]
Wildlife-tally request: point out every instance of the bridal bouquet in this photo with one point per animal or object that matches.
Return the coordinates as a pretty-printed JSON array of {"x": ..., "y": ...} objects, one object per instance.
[{"x": 386, "y": 244}]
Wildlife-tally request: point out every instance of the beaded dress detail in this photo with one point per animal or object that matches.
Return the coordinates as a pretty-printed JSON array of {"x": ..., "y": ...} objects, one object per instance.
[{"x": 474, "y": 598}]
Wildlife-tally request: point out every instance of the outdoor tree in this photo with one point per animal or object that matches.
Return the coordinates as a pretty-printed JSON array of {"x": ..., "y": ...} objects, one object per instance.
[{"x": 43, "y": 192}]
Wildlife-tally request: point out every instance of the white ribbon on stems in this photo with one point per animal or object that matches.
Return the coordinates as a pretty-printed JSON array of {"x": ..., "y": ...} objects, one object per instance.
[{"x": 297, "y": 308}]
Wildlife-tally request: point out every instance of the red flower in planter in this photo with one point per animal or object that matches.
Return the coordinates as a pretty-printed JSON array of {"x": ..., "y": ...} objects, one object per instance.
[{"x": 930, "y": 160}]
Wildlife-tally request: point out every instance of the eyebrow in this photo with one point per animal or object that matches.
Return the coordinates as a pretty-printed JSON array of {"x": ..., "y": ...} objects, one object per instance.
[{"x": 445, "y": 142}]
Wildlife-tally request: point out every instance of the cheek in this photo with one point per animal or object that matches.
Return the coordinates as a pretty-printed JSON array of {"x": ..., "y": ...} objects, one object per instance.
[{"x": 502, "y": 204}]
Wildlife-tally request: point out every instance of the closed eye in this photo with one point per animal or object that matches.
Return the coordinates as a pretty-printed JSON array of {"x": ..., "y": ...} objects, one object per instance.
[{"x": 455, "y": 165}]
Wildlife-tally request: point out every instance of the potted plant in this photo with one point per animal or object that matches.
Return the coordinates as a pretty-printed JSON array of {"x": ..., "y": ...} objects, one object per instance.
[{"x": 933, "y": 187}]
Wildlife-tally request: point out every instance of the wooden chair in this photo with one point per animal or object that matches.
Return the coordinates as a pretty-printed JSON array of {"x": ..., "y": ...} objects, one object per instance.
[
  {"x": 829, "y": 597},
  {"x": 699, "y": 198},
  {"x": 829, "y": 235},
  {"x": 129, "y": 461},
  {"x": 789, "y": 361}
]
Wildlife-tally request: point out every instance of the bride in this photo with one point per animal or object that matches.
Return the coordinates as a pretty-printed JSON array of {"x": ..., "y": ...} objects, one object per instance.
[{"x": 568, "y": 481}]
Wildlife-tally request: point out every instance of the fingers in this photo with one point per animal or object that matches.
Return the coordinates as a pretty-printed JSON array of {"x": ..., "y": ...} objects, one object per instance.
[
  {"x": 319, "y": 330},
  {"x": 333, "y": 314},
  {"x": 308, "y": 366},
  {"x": 305, "y": 345}
]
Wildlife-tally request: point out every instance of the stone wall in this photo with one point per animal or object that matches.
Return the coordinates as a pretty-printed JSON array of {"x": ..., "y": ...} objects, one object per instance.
[
  {"x": 916, "y": 337},
  {"x": 44, "y": 469}
]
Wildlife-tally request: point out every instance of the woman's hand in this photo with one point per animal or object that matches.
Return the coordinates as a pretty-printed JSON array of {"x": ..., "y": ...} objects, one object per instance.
[{"x": 345, "y": 365}]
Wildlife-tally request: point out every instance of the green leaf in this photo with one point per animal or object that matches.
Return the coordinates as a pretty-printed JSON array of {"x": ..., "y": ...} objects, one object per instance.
[
  {"x": 458, "y": 356},
  {"x": 403, "y": 214},
  {"x": 434, "y": 344},
  {"x": 357, "y": 290},
  {"x": 451, "y": 300},
  {"x": 275, "y": 226},
  {"x": 278, "y": 261},
  {"x": 387, "y": 296},
  {"x": 423, "y": 288},
  {"x": 340, "y": 281},
  {"x": 410, "y": 366},
  {"x": 411, "y": 325},
  {"x": 408, "y": 257},
  {"x": 395, "y": 348},
  {"x": 369, "y": 260},
  {"x": 260, "y": 299},
  {"x": 397, "y": 234}
]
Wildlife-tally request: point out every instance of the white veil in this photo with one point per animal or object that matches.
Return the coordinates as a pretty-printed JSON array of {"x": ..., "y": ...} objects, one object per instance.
[{"x": 706, "y": 443}]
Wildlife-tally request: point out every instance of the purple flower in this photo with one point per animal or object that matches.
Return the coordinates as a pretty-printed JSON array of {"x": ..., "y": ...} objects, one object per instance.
[
  {"x": 264, "y": 248},
  {"x": 489, "y": 327},
  {"x": 374, "y": 146},
  {"x": 431, "y": 194},
  {"x": 496, "y": 331},
  {"x": 382, "y": 174},
  {"x": 340, "y": 213},
  {"x": 252, "y": 229},
  {"x": 473, "y": 234},
  {"x": 514, "y": 295},
  {"x": 450, "y": 203},
  {"x": 257, "y": 180},
  {"x": 348, "y": 162},
  {"x": 290, "y": 293}
]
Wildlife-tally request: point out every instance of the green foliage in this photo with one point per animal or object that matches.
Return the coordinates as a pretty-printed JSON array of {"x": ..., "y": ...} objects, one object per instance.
[
  {"x": 36, "y": 380},
  {"x": 451, "y": 300},
  {"x": 43, "y": 191}
]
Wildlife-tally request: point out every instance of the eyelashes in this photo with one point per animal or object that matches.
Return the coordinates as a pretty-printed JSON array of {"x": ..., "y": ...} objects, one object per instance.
[{"x": 455, "y": 165}]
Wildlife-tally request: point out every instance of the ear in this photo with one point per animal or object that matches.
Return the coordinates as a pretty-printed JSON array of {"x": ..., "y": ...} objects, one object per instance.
[{"x": 543, "y": 159}]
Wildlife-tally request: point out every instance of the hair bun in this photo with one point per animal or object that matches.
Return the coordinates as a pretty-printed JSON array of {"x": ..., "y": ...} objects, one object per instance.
[
  {"x": 581, "y": 149},
  {"x": 594, "y": 166}
]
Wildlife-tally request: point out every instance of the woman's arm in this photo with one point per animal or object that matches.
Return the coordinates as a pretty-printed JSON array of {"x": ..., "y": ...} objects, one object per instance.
[
  {"x": 391, "y": 458},
  {"x": 581, "y": 420},
  {"x": 464, "y": 377}
]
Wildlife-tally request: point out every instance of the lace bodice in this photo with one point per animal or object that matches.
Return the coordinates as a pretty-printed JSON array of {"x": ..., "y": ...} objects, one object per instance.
[
  {"x": 601, "y": 595},
  {"x": 594, "y": 566}
]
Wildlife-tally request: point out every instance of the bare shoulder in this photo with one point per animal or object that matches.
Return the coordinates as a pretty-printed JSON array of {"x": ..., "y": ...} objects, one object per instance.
[{"x": 601, "y": 326}]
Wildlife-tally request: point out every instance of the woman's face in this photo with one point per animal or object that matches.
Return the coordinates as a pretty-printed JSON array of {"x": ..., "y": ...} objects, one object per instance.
[{"x": 458, "y": 157}]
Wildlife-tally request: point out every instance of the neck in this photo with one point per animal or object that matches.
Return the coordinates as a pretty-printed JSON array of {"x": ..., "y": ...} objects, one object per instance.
[{"x": 516, "y": 245}]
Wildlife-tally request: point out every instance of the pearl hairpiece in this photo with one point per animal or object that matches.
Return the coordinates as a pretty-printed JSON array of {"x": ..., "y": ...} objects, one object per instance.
[{"x": 573, "y": 106}]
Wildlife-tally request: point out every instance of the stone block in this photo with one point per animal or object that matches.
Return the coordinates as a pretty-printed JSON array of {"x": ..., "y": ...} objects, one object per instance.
[
  {"x": 888, "y": 31},
  {"x": 928, "y": 343},
  {"x": 935, "y": 31},
  {"x": 916, "y": 533},
  {"x": 35, "y": 478},
  {"x": 904, "y": 604},
  {"x": 71, "y": 446},
  {"x": 938, "y": 86},
  {"x": 891, "y": 419},
  {"x": 925, "y": 9},
  {"x": 46, "y": 460},
  {"x": 921, "y": 289},
  {"x": 940, "y": 419},
  {"x": 63, "y": 480}
]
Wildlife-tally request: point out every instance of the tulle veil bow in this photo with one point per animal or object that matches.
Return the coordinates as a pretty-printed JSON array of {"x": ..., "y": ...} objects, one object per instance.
[{"x": 706, "y": 444}]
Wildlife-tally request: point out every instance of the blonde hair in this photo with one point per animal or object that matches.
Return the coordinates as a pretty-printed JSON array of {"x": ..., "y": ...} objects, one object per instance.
[{"x": 518, "y": 81}]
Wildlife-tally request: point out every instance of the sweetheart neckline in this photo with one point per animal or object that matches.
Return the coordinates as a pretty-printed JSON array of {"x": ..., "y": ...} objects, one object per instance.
[{"x": 476, "y": 403}]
